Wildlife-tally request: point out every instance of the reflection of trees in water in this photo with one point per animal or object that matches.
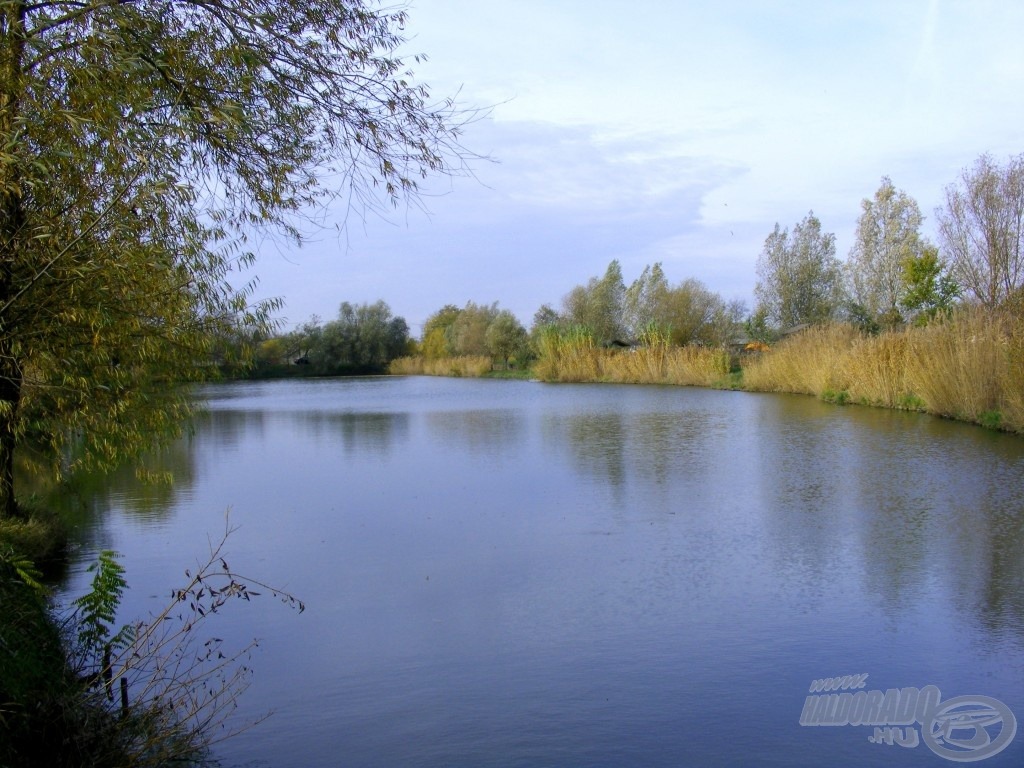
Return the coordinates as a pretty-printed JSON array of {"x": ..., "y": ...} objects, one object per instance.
[
  {"x": 908, "y": 501},
  {"x": 598, "y": 444},
  {"x": 986, "y": 537},
  {"x": 799, "y": 458},
  {"x": 482, "y": 431},
  {"x": 361, "y": 432},
  {"x": 230, "y": 428},
  {"x": 84, "y": 498},
  {"x": 670, "y": 448},
  {"x": 944, "y": 502},
  {"x": 370, "y": 431}
]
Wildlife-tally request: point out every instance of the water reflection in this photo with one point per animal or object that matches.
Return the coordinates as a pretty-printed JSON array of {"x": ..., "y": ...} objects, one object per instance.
[
  {"x": 375, "y": 433},
  {"x": 488, "y": 431},
  {"x": 664, "y": 448}
]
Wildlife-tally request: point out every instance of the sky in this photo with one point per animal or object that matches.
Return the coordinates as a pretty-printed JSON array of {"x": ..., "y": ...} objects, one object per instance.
[{"x": 670, "y": 131}]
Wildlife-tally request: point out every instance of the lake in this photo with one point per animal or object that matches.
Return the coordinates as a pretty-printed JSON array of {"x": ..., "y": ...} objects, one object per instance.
[{"x": 509, "y": 573}]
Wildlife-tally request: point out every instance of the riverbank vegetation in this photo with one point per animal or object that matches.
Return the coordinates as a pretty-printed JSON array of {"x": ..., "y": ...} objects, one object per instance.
[
  {"x": 362, "y": 339},
  {"x": 571, "y": 355},
  {"x": 968, "y": 366},
  {"x": 76, "y": 690},
  {"x": 461, "y": 366},
  {"x": 902, "y": 323}
]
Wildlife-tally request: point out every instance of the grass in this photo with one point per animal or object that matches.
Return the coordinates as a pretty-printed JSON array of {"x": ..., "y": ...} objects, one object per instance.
[{"x": 39, "y": 535}]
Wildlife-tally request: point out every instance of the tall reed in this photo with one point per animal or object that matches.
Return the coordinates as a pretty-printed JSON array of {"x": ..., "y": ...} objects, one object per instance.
[
  {"x": 568, "y": 355},
  {"x": 466, "y": 366},
  {"x": 808, "y": 363},
  {"x": 959, "y": 366},
  {"x": 969, "y": 366},
  {"x": 572, "y": 356}
]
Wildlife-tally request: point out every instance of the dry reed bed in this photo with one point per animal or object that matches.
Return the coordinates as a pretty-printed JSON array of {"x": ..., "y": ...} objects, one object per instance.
[
  {"x": 578, "y": 360},
  {"x": 968, "y": 367},
  {"x": 469, "y": 366}
]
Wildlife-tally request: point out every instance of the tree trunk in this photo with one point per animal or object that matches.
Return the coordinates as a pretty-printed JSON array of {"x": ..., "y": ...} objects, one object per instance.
[
  {"x": 12, "y": 47},
  {"x": 10, "y": 398}
]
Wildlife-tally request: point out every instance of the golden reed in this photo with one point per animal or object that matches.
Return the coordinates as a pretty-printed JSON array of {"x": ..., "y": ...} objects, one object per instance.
[{"x": 969, "y": 366}]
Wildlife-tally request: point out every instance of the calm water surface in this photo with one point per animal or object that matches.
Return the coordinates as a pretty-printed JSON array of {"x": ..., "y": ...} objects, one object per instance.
[{"x": 516, "y": 574}]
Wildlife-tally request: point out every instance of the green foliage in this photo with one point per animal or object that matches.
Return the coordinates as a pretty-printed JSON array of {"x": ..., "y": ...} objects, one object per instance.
[
  {"x": 23, "y": 568},
  {"x": 436, "y": 339},
  {"x": 645, "y": 300},
  {"x": 467, "y": 333},
  {"x": 599, "y": 305},
  {"x": 96, "y": 611},
  {"x": 911, "y": 402},
  {"x": 506, "y": 338},
  {"x": 929, "y": 289},
  {"x": 37, "y": 535},
  {"x": 863, "y": 319},
  {"x": 758, "y": 328},
  {"x": 837, "y": 397},
  {"x": 991, "y": 419},
  {"x": 365, "y": 337}
]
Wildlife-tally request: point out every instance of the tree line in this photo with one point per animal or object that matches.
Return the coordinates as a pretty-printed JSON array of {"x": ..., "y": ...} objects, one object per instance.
[{"x": 892, "y": 276}]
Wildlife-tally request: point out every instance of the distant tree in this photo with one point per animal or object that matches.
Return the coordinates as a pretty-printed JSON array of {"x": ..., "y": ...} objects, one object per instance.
[
  {"x": 982, "y": 229},
  {"x": 757, "y": 327},
  {"x": 467, "y": 335},
  {"x": 506, "y": 338},
  {"x": 929, "y": 289},
  {"x": 690, "y": 311},
  {"x": 799, "y": 276},
  {"x": 363, "y": 338},
  {"x": 272, "y": 352},
  {"x": 727, "y": 324},
  {"x": 545, "y": 316},
  {"x": 599, "y": 305},
  {"x": 435, "y": 343},
  {"x": 887, "y": 235},
  {"x": 304, "y": 339},
  {"x": 645, "y": 300}
]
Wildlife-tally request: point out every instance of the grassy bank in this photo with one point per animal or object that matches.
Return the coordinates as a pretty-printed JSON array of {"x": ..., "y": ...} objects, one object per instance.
[{"x": 968, "y": 367}]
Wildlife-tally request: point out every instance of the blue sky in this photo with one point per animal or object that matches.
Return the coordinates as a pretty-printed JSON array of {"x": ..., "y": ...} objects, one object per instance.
[{"x": 678, "y": 132}]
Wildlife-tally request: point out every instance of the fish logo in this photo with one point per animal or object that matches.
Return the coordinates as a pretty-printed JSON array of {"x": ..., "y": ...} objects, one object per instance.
[{"x": 969, "y": 728}]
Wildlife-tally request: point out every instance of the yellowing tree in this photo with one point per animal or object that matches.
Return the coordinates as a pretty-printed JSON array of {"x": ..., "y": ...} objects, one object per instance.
[{"x": 140, "y": 143}]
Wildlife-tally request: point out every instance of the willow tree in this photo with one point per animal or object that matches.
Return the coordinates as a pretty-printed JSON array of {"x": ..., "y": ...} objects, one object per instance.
[
  {"x": 141, "y": 143},
  {"x": 887, "y": 237},
  {"x": 982, "y": 229},
  {"x": 799, "y": 276}
]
